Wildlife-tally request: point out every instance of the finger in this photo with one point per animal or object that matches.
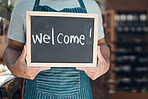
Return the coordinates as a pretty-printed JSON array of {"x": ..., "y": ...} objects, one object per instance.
[
  {"x": 39, "y": 68},
  {"x": 24, "y": 53},
  {"x": 32, "y": 73},
  {"x": 31, "y": 77},
  {"x": 42, "y": 69},
  {"x": 99, "y": 51},
  {"x": 98, "y": 46},
  {"x": 92, "y": 75},
  {"x": 81, "y": 68},
  {"x": 89, "y": 74},
  {"x": 97, "y": 60}
]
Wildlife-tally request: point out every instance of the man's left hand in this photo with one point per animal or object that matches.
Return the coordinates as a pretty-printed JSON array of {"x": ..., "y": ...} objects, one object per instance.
[{"x": 95, "y": 72}]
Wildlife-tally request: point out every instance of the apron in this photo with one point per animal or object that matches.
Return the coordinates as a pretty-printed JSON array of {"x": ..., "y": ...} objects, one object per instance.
[{"x": 59, "y": 82}]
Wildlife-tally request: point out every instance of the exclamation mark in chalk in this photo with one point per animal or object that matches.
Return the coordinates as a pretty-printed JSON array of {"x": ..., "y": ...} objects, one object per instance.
[{"x": 90, "y": 32}]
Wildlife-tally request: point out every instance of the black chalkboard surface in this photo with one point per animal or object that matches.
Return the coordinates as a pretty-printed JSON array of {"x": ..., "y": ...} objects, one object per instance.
[{"x": 61, "y": 39}]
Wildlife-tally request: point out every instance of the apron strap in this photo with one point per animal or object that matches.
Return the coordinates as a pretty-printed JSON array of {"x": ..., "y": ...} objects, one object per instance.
[
  {"x": 37, "y": 2},
  {"x": 82, "y": 4}
]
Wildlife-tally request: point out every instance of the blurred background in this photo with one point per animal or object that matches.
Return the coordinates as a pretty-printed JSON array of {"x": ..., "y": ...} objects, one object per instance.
[{"x": 126, "y": 30}]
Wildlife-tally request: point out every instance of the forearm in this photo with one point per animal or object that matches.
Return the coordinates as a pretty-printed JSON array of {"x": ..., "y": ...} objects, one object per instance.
[
  {"x": 10, "y": 57},
  {"x": 15, "y": 59}
]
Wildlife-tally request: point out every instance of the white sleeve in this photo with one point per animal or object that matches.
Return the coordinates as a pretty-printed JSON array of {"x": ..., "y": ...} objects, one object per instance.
[
  {"x": 93, "y": 8},
  {"x": 16, "y": 28}
]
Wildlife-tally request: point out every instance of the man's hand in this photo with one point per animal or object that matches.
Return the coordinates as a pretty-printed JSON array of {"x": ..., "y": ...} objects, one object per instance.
[
  {"x": 95, "y": 72},
  {"x": 20, "y": 68}
]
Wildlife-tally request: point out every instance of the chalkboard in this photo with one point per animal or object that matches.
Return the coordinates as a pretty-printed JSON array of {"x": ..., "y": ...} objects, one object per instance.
[{"x": 58, "y": 39}]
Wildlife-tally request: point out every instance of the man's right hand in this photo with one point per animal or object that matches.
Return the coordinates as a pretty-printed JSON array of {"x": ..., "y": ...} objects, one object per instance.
[{"x": 20, "y": 68}]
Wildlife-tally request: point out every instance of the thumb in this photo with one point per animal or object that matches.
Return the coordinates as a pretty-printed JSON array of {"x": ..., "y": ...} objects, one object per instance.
[
  {"x": 99, "y": 52},
  {"x": 24, "y": 53}
]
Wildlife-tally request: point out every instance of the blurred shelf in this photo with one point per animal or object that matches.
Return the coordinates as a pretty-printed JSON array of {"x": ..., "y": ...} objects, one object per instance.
[
  {"x": 130, "y": 44},
  {"x": 132, "y": 53},
  {"x": 127, "y": 33},
  {"x": 135, "y": 63},
  {"x": 132, "y": 33}
]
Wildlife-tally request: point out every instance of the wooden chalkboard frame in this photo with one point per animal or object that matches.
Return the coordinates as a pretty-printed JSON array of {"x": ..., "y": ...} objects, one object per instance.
[{"x": 60, "y": 14}]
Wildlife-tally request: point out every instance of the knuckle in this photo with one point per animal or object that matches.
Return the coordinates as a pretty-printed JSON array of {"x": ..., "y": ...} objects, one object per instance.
[
  {"x": 31, "y": 77},
  {"x": 97, "y": 75},
  {"x": 106, "y": 69},
  {"x": 94, "y": 78}
]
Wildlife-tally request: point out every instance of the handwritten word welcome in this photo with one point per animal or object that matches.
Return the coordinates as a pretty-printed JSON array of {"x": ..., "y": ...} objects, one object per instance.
[{"x": 60, "y": 39}]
